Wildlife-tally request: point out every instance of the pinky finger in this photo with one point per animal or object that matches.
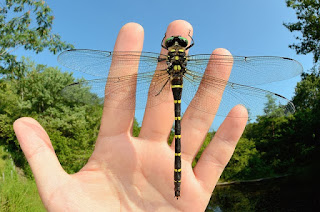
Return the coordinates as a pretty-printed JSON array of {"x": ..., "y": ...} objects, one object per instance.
[{"x": 218, "y": 153}]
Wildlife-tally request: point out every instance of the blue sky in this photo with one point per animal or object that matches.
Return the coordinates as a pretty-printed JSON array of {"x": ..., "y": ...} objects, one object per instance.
[{"x": 247, "y": 28}]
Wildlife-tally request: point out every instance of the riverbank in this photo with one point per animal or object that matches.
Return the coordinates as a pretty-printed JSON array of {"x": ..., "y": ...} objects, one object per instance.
[
  {"x": 17, "y": 193},
  {"x": 250, "y": 181}
]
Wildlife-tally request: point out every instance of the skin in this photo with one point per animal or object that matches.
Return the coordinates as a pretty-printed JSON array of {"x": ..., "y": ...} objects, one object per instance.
[{"x": 126, "y": 173}]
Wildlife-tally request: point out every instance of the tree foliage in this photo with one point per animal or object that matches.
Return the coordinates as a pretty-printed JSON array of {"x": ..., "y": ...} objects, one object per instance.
[
  {"x": 27, "y": 24},
  {"x": 293, "y": 141},
  {"x": 307, "y": 94},
  {"x": 244, "y": 162},
  {"x": 306, "y": 122},
  {"x": 205, "y": 143},
  {"x": 290, "y": 144},
  {"x": 308, "y": 24},
  {"x": 72, "y": 126},
  {"x": 307, "y": 101}
]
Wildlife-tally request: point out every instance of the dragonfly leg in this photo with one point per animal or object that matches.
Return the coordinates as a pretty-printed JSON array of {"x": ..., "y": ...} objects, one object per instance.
[
  {"x": 192, "y": 41},
  {"x": 163, "y": 87},
  {"x": 163, "y": 46},
  {"x": 161, "y": 59}
]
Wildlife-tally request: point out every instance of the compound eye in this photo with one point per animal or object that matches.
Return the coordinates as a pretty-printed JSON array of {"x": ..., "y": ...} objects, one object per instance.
[
  {"x": 182, "y": 41},
  {"x": 169, "y": 42}
]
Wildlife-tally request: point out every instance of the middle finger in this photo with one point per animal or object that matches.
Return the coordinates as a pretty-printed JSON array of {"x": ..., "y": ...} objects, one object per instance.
[{"x": 158, "y": 120}]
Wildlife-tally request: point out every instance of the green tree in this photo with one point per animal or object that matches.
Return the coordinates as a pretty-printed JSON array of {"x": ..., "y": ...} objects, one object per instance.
[
  {"x": 136, "y": 129},
  {"x": 308, "y": 25},
  {"x": 306, "y": 122},
  {"x": 272, "y": 109},
  {"x": 307, "y": 94},
  {"x": 275, "y": 143},
  {"x": 273, "y": 137},
  {"x": 292, "y": 141},
  {"x": 206, "y": 142},
  {"x": 240, "y": 165},
  {"x": 72, "y": 126},
  {"x": 27, "y": 24}
]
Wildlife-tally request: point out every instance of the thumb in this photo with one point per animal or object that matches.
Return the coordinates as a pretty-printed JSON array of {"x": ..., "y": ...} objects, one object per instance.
[{"x": 37, "y": 148}]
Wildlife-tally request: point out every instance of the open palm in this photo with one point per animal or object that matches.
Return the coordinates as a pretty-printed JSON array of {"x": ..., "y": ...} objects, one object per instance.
[{"x": 136, "y": 174}]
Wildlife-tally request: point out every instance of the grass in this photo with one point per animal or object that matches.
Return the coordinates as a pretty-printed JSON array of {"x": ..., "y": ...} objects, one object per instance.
[{"x": 17, "y": 193}]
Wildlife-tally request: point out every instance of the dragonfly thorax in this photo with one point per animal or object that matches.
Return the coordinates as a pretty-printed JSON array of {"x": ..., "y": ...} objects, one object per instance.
[{"x": 176, "y": 61}]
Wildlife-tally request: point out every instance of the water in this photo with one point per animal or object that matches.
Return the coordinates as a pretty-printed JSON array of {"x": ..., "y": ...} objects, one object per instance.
[{"x": 295, "y": 193}]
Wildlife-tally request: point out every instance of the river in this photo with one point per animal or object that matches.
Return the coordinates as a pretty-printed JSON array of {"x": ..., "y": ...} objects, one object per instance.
[{"x": 293, "y": 193}]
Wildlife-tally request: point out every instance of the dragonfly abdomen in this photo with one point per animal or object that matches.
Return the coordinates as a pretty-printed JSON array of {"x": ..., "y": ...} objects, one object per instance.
[{"x": 176, "y": 85}]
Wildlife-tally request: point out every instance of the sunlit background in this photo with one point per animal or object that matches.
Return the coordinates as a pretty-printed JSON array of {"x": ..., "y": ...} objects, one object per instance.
[{"x": 245, "y": 28}]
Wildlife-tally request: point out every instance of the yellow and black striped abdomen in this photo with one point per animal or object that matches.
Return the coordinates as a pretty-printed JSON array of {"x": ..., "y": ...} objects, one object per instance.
[{"x": 177, "y": 85}]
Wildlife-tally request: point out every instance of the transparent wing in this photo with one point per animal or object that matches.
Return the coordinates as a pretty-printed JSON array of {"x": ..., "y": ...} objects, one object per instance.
[
  {"x": 254, "y": 70},
  {"x": 156, "y": 84},
  {"x": 212, "y": 89},
  {"x": 118, "y": 90},
  {"x": 151, "y": 79},
  {"x": 98, "y": 63}
]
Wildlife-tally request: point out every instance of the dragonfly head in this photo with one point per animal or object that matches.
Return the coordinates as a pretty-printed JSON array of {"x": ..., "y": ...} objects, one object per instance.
[{"x": 176, "y": 41}]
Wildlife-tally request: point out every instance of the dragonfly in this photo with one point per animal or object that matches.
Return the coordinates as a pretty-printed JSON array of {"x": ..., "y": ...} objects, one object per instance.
[{"x": 176, "y": 76}]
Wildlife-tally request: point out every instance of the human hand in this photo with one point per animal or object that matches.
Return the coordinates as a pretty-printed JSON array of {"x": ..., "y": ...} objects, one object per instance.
[{"x": 127, "y": 173}]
